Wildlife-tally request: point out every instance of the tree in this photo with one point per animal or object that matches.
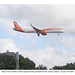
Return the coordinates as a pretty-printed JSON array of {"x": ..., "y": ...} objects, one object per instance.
[
  {"x": 41, "y": 67},
  {"x": 68, "y": 66},
  {"x": 26, "y": 63},
  {"x": 9, "y": 62}
]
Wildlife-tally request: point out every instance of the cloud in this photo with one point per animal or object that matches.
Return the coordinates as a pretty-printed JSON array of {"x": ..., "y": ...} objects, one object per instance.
[
  {"x": 49, "y": 57},
  {"x": 53, "y": 54},
  {"x": 7, "y": 44},
  {"x": 69, "y": 42},
  {"x": 4, "y": 11},
  {"x": 41, "y": 16}
]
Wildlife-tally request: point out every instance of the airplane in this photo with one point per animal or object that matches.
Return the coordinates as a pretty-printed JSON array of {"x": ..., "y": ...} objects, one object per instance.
[{"x": 36, "y": 30}]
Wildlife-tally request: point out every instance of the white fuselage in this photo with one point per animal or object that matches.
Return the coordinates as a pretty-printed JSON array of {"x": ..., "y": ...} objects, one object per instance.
[{"x": 47, "y": 31}]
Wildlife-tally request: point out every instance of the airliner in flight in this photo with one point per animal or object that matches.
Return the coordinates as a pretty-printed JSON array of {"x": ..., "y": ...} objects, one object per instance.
[{"x": 36, "y": 30}]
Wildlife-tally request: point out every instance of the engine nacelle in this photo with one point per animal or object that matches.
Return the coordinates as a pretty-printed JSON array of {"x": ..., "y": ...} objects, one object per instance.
[{"x": 43, "y": 32}]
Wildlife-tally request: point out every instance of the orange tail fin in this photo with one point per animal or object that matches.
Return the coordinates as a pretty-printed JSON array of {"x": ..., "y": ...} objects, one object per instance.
[{"x": 17, "y": 26}]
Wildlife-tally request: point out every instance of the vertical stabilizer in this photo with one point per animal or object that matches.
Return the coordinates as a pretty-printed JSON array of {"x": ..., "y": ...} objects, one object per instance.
[{"x": 17, "y": 27}]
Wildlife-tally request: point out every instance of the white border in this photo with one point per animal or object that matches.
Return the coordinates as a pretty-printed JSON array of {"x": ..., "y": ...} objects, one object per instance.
[
  {"x": 37, "y": 72},
  {"x": 37, "y": 1}
]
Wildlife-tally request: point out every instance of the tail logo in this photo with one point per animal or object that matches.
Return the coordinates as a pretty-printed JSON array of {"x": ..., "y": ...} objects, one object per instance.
[{"x": 17, "y": 26}]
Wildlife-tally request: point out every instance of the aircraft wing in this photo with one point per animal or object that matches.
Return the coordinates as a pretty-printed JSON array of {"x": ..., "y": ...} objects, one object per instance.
[
  {"x": 38, "y": 31},
  {"x": 35, "y": 28}
]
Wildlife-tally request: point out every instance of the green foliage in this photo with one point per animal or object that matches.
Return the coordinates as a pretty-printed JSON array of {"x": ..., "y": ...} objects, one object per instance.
[
  {"x": 68, "y": 66},
  {"x": 9, "y": 62},
  {"x": 41, "y": 67},
  {"x": 26, "y": 64}
]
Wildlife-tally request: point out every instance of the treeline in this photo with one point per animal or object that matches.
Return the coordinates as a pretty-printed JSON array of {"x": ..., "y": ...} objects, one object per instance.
[
  {"x": 68, "y": 66},
  {"x": 9, "y": 62}
]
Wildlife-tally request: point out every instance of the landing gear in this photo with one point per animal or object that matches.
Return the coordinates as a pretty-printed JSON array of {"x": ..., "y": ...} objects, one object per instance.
[
  {"x": 58, "y": 34},
  {"x": 38, "y": 34}
]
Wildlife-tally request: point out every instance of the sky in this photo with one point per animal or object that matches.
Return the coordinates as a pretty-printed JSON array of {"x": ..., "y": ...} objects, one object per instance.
[{"x": 48, "y": 50}]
